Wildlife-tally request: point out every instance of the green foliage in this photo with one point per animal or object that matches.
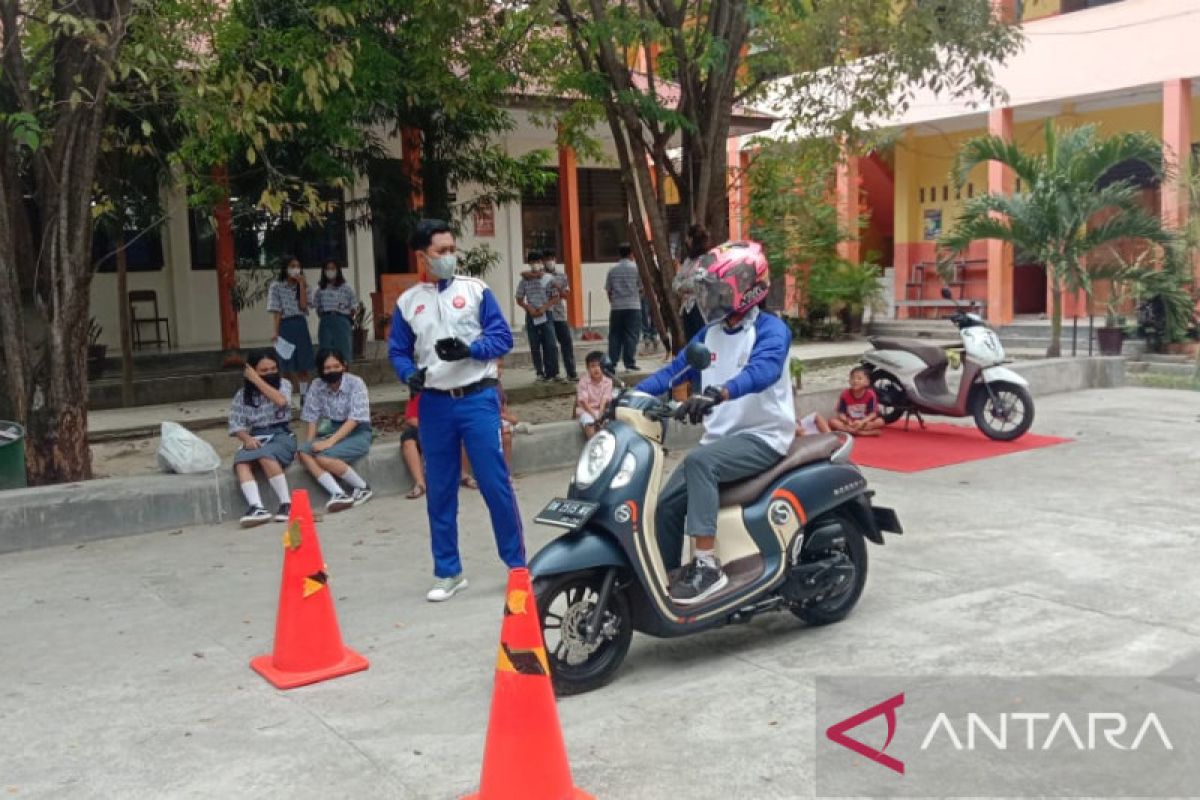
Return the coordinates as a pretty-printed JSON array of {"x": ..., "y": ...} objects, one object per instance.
[
  {"x": 1066, "y": 217},
  {"x": 478, "y": 261}
]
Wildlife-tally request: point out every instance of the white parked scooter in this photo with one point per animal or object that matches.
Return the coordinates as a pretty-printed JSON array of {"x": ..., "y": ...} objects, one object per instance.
[{"x": 909, "y": 378}]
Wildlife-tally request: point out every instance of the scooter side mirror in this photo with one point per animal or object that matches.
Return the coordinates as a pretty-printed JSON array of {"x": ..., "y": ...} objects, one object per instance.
[
  {"x": 608, "y": 367},
  {"x": 946, "y": 293},
  {"x": 698, "y": 356}
]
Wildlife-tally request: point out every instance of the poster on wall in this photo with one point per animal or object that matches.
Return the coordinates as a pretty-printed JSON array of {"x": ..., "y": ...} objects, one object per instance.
[
  {"x": 933, "y": 224},
  {"x": 485, "y": 220}
]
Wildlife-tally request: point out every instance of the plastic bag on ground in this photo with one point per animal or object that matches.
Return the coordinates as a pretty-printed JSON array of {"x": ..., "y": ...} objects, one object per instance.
[{"x": 184, "y": 452}]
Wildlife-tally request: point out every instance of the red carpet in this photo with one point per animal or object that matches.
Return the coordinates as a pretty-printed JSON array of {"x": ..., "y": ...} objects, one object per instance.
[{"x": 939, "y": 445}]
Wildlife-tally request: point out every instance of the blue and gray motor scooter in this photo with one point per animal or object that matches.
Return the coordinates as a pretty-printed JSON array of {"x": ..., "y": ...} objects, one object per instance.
[{"x": 793, "y": 537}]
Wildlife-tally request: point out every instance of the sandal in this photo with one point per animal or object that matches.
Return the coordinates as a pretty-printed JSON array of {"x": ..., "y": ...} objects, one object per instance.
[
  {"x": 416, "y": 492},
  {"x": 470, "y": 482}
]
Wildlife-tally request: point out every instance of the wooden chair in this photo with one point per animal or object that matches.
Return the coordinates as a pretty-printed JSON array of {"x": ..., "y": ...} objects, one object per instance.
[{"x": 161, "y": 323}]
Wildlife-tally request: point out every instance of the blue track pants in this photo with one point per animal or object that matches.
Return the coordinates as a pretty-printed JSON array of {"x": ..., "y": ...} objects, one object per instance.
[{"x": 446, "y": 425}]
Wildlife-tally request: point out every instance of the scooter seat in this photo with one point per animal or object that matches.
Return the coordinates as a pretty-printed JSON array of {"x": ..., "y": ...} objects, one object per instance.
[
  {"x": 804, "y": 450},
  {"x": 932, "y": 354}
]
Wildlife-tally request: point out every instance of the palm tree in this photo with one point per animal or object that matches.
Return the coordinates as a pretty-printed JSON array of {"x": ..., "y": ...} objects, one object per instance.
[{"x": 1063, "y": 191}]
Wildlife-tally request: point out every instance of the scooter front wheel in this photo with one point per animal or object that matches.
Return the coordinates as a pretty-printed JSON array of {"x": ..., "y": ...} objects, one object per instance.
[
  {"x": 565, "y": 607},
  {"x": 1004, "y": 414}
]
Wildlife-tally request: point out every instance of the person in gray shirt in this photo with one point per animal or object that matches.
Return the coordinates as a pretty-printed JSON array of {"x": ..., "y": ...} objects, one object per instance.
[
  {"x": 534, "y": 297},
  {"x": 624, "y": 287},
  {"x": 559, "y": 287}
]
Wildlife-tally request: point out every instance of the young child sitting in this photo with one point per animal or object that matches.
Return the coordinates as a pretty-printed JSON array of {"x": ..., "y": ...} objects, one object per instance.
[
  {"x": 858, "y": 407},
  {"x": 593, "y": 395}
]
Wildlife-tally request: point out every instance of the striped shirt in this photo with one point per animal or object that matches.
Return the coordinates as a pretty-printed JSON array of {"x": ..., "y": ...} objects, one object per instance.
[
  {"x": 284, "y": 298},
  {"x": 348, "y": 401},
  {"x": 534, "y": 293},
  {"x": 555, "y": 283},
  {"x": 624, "y": 286},
  {"x": 339, "y": 299},
  {"x": 245, "y": 417}
]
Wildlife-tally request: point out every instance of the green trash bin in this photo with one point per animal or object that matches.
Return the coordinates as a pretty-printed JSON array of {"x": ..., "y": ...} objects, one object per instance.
[{"x": 12, "y": 456}]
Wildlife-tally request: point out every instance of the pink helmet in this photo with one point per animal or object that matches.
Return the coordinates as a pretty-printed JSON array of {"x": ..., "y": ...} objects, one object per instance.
[{"x": 732, "y": 278}]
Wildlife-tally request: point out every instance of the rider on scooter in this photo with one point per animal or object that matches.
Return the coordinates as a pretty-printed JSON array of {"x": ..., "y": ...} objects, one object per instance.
[{"x": 746, "y": 405}]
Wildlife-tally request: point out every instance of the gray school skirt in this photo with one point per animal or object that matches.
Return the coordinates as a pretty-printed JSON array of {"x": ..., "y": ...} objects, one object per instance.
[
  {"x": 281, "y": 448},
  {"x": 350, "y": 449}
]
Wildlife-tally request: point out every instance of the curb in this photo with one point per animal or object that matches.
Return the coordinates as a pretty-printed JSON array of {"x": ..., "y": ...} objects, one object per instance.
[{"x": 71, "y": 514}]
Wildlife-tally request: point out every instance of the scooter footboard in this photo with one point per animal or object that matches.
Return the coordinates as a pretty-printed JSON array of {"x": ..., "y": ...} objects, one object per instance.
[{"x": 576, "y": 551}]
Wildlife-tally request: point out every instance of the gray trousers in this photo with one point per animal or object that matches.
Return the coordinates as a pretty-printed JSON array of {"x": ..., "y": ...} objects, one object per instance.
[{"x": 693, "y": 490}]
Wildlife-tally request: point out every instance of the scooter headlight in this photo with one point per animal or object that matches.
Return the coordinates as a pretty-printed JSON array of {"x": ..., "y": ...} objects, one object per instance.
[
  {"x": 625, "y": 472},
  {"x": 595, "y": 458}
]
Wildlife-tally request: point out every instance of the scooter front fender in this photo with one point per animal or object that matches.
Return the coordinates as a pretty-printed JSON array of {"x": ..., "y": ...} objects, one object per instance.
[
  {"x": 1002, "y": 374},
  {"x": 577, "y": 551}
]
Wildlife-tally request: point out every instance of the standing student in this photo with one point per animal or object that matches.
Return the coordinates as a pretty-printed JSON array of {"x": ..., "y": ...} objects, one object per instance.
[
  {"x": 287, "y": 300},
  {"x": 335, "y": 302},
  {"x": 559, "y": 289},
  {"x": 624, "y": 287},
  {"x": 342, "y": 399},
  {"x": 533, "y": 296},
  {"x": 261, "y": 418},
  {"x": 446, "y": 337}
]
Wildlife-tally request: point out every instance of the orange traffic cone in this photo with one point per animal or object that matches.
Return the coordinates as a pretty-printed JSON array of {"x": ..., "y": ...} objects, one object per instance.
[
  {"x": 308, "y": 644},
  {"x": 524, "y": 758}
]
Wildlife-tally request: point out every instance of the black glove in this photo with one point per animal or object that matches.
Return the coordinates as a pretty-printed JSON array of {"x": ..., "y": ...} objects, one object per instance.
[
  {"x": 416, "y": 381},
  {"x": 696, "y": 407},
  {"x": 452, "y": 349}
]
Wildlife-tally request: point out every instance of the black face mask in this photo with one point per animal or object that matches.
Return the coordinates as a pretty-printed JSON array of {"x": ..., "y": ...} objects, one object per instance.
[
  {"x": 274, "y": 381},
  {"x": 332, "y": 377}
]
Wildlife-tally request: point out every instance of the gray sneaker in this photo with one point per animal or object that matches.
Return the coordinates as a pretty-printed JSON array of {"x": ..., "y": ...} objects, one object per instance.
[{"x": 445, "y": 588}]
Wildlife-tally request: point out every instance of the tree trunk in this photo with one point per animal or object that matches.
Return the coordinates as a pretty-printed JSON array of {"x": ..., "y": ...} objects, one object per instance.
[
  {"x": 126, "y": 333},
  {"x": 1056, "y": 309}
]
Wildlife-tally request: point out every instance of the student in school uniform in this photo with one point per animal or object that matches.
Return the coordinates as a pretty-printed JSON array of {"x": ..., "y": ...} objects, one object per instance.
[
  {"x": 335, "y": 302},
  {"x": 342, "y": 399},
  {"x": 261, "y": 418}
]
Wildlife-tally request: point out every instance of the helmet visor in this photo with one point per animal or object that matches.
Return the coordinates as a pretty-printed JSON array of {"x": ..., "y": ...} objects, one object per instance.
[{"x": 714, "y": 298}]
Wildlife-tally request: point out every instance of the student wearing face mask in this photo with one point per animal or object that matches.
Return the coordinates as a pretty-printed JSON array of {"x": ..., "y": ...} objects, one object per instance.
[
  {"x": 342, "y": 399},
  {"x": 335, "y": 303},
  {"x": 287, "y": 301},
  {"x": 559, "y": 289},
  {"x": 446, "y": 336},
  {"x": 260, "y": 418}
]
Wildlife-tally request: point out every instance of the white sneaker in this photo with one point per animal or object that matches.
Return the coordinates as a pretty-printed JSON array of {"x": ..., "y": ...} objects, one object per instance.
[
  {"x": 339, "y": 502},
  {"x": 522, "y": 427},
  {"x": 445, "y": 588},
  {"x": 361, "y": 496}
]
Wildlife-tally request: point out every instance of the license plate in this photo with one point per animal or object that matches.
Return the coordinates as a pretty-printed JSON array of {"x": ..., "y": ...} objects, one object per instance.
[{"x": 569, "y": 514}]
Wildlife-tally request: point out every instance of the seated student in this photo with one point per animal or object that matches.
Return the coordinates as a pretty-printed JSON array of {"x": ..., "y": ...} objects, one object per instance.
[
  {"x": 508, "y": 420},
  {"x": 261, "y": 418},
  {"x": 593, "y": 395},
  {"x": 342, "y": 399},
  {"x": 410, "y": 450},
  {"x": 858, "y": 407},
  {"x": 811, "y": 425}
]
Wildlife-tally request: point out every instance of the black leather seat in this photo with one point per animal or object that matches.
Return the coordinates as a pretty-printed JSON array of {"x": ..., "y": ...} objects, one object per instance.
[
  {"x": 804, "y": 450},
  {"x": 932, "y": 354}
]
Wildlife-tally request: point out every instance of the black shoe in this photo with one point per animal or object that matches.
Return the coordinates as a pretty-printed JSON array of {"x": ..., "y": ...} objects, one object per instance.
[
  {"x": 697, "y": 582},
  {"x": 284, "y": 512},
  {"x": 255, "y": 516}
]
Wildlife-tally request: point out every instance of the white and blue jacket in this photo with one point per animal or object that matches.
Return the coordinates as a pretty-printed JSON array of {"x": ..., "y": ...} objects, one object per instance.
[
  {"x": 750, "y": 362},
  {"x": 462, "y": 306}
]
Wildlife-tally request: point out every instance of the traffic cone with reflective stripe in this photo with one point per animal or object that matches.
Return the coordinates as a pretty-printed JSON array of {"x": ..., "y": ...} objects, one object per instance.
[
  {"x": 524, "y": 758},
  {"x": 308, "y": 644}
]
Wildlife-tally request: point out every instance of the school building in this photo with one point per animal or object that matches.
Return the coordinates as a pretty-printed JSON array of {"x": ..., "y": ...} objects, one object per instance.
[
  {"x": 1125, "y": 65},
  {"x": 582, "y": 216}
]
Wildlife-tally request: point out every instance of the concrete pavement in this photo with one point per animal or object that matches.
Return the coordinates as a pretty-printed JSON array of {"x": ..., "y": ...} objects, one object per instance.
[{"x": 125, "y": 661}]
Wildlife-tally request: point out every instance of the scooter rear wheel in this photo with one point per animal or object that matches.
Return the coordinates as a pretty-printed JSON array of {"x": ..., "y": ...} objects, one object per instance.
[
  {"x": 890, "y": 394},
  {"x": 565, "y": 604},
  {"x": 852, "y": 546}
]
